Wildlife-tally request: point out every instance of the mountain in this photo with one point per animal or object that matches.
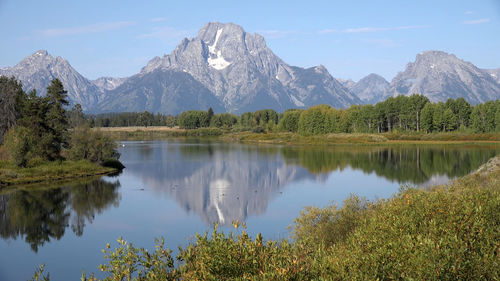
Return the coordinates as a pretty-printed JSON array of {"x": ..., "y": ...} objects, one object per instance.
[
  {"x": 371, "y": 88},
  {"x": 108, "y": 83},
  {"x": 495, "y": 73},
  {"x": 349, "y": 83},
  {"x": 37, "y": 70},
  {"x": 245, "y": 75},
  {"x": 228, "y": 69},
  {"x": 440, "y": 76},
  {"x": 162, "y": 90}
]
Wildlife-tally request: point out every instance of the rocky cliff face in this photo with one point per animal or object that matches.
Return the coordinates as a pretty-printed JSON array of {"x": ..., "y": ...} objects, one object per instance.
[
  {"x": 37, "y": 70},
  {"x": 244, "y": 74},
  {"x": 370, "y": 89},
  {"x": 162, "y": 90},
  {"x": 108, "y": 83},
  {"x": 494, "y": 73},
  {"x": 228, "y": 69},
  {"x": 440, "y": 76}
]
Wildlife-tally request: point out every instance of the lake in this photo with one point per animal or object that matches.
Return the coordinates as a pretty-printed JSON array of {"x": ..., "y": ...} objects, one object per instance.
[{"x": 178, "y": 188}]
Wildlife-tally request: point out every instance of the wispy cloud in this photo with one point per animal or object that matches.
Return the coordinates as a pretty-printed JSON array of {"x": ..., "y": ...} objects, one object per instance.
[
  {"x": 326, "y": 31},
  {"x": 371, "y": 29},
  {"x": 470, "y": 12},
  {"x": 93, "y": 28},
  {"x": 159, "y": 19},
  {"x": 166, "y": 33},
  {"x": 273, "y": 34},
  {"x": 378, "y": 29},
  {"x": 478, "y": 21},
  {"x": 383, "y": 43}
]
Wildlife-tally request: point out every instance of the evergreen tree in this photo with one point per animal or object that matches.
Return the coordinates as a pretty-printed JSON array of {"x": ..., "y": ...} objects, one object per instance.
[
  {"x": 12, "y": 98},
  {"x": 76, "y": 116},
  {"x": 56, "y": 119},
  {"x": 210, "y": 114}
]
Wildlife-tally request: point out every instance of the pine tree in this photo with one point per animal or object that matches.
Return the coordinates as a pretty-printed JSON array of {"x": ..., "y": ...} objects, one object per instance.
[
  {"x": 56, "y": 119},
  {"x": 12, "y": 98}
]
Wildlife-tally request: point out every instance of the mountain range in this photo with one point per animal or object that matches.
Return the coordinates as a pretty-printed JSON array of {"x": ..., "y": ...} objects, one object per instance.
[{"x": 228, "y": 69}]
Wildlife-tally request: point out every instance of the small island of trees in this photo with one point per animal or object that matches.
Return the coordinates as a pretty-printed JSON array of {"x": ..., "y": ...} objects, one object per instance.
[{"x": 38, "y": 132}]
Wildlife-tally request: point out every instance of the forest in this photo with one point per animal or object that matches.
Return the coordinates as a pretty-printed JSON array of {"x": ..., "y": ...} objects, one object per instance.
[
  {"x": 413, "y": 113},
  {"x": 39, "y": 131}
]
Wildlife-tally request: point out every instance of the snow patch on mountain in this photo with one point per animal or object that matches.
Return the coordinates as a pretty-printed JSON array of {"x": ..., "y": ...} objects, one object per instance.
[{"x": 218, "y": 62}]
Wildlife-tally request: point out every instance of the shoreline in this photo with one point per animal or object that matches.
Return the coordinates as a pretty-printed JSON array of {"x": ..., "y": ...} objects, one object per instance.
[
  {"x": 287, "y": 138},
  {"x": 52, "y": 172}
]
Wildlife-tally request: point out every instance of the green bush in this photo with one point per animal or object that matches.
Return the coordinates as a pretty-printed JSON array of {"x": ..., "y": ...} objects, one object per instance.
[
  {"x": 92, "y": 145},
  {"x": 442, "y": 234},
  {"x": 330, "y": 225},
  {"x": 19, "y": 144}
]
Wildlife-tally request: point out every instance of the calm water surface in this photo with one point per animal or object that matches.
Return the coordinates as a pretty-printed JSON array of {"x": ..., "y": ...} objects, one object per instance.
[{"x": 175, "y": 189}]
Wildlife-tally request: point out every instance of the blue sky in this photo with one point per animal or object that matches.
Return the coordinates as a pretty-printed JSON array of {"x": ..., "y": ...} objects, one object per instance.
[{"x": 351, "y": 38}]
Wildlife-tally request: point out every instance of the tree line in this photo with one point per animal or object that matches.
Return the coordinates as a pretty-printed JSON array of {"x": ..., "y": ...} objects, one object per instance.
[
  {"x": 413, "y": 113},
  {"x": 37, "y": 129}
]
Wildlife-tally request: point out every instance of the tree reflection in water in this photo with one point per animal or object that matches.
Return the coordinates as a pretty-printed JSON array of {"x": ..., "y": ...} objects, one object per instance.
[
  {"x": 224, "y": 182},
  {"x": 40, "y": 214}
]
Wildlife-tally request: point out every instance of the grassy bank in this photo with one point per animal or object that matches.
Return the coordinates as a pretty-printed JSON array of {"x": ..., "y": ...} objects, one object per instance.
[
  {"x": 151, "y": 133},
  {"x": 447, "y": 232},
  {"x": 49, "y": 171},
  {"x": 155, "y": 133},
  {"x": 385, "y": 138}
]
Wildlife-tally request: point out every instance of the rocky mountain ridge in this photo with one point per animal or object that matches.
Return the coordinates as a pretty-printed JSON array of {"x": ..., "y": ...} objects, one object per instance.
[
  {"x": 37, "y": 70},
  {"x": 440, "y": 76},
  {"x": 228, "y": 69}
]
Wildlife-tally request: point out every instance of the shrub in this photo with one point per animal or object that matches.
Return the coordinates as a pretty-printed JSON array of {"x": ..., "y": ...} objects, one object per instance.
[
  {"x": 18, "y": 143},
  {"x": 330, "y": 225},
  {"x": 91, "y": 145}
]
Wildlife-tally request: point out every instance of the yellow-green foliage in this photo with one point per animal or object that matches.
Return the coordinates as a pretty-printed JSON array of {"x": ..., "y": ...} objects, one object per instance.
[
  {"x": 290, "y": 120},
  {"x": 92, "y": 145},
  {"x": 3, "y": 153},
  {"x": 443, "y": 233}
]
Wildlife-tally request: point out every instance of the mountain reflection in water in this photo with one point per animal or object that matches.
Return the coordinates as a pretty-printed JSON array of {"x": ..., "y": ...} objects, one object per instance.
[
  {"x": 220, "y": 182},
  {"x": 226, "y": 182}
]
